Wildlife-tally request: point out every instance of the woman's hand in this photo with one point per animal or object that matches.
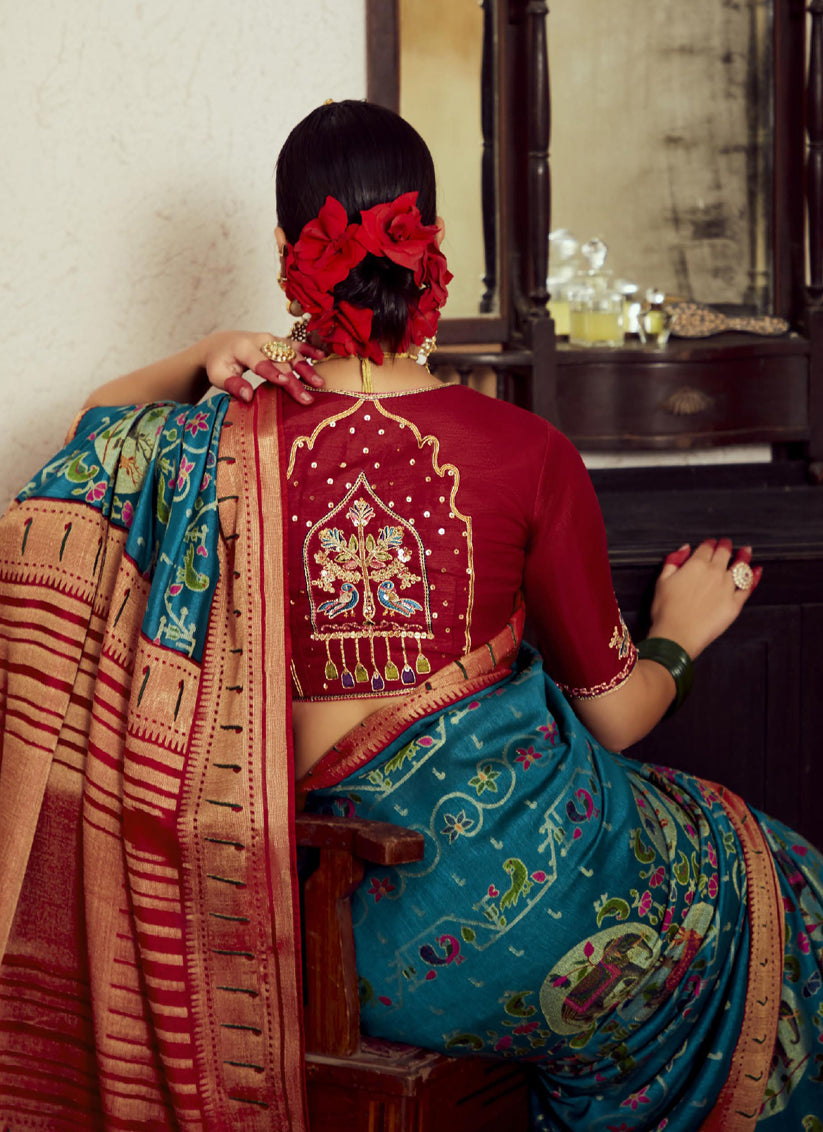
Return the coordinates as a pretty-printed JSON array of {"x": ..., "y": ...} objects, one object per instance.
[
  {"x": 227, "y": 355},
  {"x": 696, "y": 598}
]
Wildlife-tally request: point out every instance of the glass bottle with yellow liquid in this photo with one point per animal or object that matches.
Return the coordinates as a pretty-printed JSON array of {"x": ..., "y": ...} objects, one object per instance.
[{"x": 595, "y": 304}]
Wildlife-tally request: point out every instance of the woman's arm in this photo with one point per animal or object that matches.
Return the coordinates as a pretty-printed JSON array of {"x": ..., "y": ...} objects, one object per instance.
[
  {"x": 570, "y": 600},
  {"x": 695, "y": 601},
  {"x": 220, "y": 359}
]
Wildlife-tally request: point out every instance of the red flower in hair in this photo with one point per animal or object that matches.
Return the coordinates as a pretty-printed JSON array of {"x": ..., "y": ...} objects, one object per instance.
[
  {"x": 329, "y": 247},
  {"x": 325, "y": 253},
  {"x": 396, "y": 231},
  {"x": 437, "y": 278},
  {"x": 347, "y": 330}
]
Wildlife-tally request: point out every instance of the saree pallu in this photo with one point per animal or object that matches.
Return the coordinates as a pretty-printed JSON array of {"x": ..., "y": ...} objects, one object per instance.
[
  {"x": 148, "y": 924},
  {"x": 585, "y": 914}
]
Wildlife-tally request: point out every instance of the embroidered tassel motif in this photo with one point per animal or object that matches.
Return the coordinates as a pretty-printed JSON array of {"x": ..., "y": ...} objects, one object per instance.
[
  {"x": 346, "y": 678},
  {"x": 377, "y": 684},
  {"x": 331, "y": 667},
  {"x": 390, "y": 671},
  {"x": 407, "y": 676},
  {"x": 422, "y": 664},
  {"x": 361, "y": 674}
]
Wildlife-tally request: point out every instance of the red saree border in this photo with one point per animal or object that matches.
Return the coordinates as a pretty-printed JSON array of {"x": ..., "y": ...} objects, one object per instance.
[
  {"x": 738, "y": 1107},
  {"x": 482, "y": 667}
]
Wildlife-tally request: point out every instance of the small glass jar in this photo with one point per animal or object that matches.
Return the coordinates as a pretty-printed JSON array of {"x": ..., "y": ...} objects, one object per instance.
[
  {"x": 654, "y": 323},
  {"x": 595, "y": 305},
  {"x": 564, "y": 263}
]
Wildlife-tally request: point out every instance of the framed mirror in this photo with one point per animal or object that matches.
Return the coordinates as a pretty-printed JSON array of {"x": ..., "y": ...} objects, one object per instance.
[
  {"x": 439, "y": 65},
  {"x": 662, "y": 132}
]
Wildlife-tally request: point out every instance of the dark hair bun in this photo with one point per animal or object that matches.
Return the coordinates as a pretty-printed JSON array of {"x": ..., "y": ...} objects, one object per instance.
[{"x": 361, "y": 155}]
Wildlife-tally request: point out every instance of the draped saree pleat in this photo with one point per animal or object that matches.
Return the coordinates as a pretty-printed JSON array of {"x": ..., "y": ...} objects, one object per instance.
[{"x": 147, "y": 903}]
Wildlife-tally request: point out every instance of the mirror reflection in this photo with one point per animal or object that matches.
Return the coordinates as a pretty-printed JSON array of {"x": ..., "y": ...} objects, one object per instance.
[
  {"x": 441, "y": 51},
  {"x": 661, "y": 132}
]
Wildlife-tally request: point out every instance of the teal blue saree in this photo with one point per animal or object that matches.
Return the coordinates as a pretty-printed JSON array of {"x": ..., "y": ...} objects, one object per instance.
[{"x": 580, "y": 912}]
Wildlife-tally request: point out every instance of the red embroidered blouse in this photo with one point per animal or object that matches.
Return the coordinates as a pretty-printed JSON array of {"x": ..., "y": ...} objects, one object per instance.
[{"x": 416, "y": 519}]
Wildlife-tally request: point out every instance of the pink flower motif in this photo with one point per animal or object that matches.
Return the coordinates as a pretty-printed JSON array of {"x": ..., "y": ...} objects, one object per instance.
[
  {"x": 382, "y": 998},
  {"x": 431, "y": 975},
  {"x": 787, "y": 904},
  {"x": 801, "y": 849},
  {"x": 688, "y": 897},
  {"x": 504, "y": 1043},
  {"x": 549, "y": 732},
  {"x": 175, "y": 589},
  {"x": 186, "y": 467},
  {"x": 197, "y": 424},
  {"x": 578, "y": 833},
  {"x": 712, "y": 855},
  {"x": 657, "y": 877},
  {"x": 526, "y": 756},
  {"x": 645, "y": 903},
  {"x": 201, "y": 550},
  {"x": 636, "y": 1099},
  {"x": 539, "y": 876},
  {"x": 380, "y": 888},
  {"x": 493, "y": 891},
  {"x": 206, "y": 480},
  {"x": 425, "y": 741},
  {"x": 95, "y": 491},
  {"x": 692, "y": 832},
  {"x": 803, "y": 941},
  {"x": 667, "y": 920},
  {"x": 714, "y": 885},
  {"x": 128, "y": 513},
  {"x": 180, "y": 418},
  {"x": 474, "y": 705},
  {"x": 525, "y": 1027}
]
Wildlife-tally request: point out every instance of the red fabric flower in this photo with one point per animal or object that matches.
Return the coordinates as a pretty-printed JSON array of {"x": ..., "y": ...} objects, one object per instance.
[
  {"x": 329, "y": 247},
  {"x": 325, "y": 253},
  {"x": 396, "y": 231},
  {"x": 346, "y": 329}
]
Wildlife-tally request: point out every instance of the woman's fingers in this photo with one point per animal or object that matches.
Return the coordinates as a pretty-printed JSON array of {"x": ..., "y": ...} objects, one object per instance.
[
  {"x": 238, "y": 387},
  {"x": 675, "y": 560},
  {"x": 285, "y": 378},
  {"x": 723, "y": 552}
]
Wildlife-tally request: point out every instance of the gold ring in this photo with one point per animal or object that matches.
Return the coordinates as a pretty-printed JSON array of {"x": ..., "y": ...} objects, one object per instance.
[
  {"x": 742, "y": 576},
  {"x": 278, "y": 351}
]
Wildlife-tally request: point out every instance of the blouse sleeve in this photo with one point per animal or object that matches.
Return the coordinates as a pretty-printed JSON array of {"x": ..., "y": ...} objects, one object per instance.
[{"x": 570, "y": 597}]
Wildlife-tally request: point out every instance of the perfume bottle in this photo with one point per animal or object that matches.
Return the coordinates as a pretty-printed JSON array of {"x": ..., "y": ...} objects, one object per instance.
[
  {"x": 654, "y": 323},
  {"x": 595, "y": 304},
  {"x": 564, "y": 263}
]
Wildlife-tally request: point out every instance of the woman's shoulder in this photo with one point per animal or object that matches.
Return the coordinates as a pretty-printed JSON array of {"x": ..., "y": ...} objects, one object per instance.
[{"x": 510, "y": 425}]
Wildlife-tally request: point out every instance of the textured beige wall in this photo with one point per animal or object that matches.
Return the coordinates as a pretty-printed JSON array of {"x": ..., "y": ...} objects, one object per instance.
[{"x": 137, "y": 185}]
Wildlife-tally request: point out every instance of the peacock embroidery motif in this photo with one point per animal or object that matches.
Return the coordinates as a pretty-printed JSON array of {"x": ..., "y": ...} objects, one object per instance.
[{"x": 371, "y": 564}]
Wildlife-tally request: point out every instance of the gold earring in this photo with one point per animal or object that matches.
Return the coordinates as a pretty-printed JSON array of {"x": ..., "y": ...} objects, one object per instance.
[
  {"x": 426, "y": 347},
  {"x": 300, "y": 331}
]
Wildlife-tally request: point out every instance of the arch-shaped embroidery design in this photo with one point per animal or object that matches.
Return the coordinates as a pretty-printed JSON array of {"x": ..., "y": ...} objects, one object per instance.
[{"x": 366, "y": 579}]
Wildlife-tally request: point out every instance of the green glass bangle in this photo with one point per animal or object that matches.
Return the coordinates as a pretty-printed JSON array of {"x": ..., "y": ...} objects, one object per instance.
[{"x": 675, "y": 660}]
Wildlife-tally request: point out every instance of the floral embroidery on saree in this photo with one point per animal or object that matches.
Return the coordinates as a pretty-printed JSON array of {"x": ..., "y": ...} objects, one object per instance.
[{"x": 171, "y": 539}]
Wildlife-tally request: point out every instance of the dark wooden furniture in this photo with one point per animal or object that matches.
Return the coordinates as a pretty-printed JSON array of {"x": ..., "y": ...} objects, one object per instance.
[
  {"x": 357, "y": 1084},
  {"x": 748, "y": 389},
  {"x": 754, "y": 720}
]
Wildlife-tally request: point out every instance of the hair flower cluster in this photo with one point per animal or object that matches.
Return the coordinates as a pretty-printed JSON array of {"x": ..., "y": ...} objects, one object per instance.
[{"x": 329, "y": 247}]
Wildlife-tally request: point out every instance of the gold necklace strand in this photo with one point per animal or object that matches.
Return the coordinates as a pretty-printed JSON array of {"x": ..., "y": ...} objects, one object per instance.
[{"x": 366, "y": 383}]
